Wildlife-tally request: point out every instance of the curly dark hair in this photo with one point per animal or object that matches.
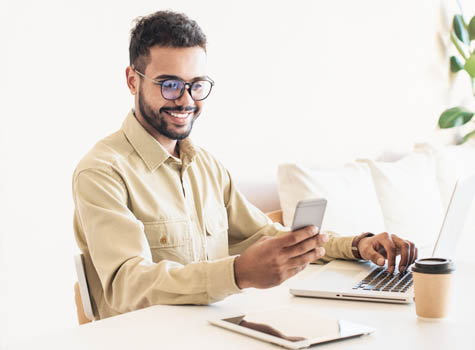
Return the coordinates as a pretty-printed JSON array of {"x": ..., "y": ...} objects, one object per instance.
[{"x": 163, "y": 28}]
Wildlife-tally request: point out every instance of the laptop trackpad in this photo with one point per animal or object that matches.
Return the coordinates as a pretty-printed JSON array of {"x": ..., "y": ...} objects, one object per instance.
[{"x": 340, "y": 279}]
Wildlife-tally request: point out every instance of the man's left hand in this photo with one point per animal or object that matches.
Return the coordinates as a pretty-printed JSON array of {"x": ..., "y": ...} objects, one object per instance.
[{"x": 387, "y": 246}]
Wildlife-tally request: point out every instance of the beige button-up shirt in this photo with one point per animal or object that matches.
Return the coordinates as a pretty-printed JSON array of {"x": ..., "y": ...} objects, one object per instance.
[{"x": 155, "y": 229}]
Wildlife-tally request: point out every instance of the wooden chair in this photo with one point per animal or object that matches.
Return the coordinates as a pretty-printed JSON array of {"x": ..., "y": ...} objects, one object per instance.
[
  {"x": 81, "y": 293},
  {"x": 276, "y": 216}
]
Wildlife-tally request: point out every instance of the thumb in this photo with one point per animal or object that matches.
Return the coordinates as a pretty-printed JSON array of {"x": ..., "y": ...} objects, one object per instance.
[{"x": 375, "y": 256}]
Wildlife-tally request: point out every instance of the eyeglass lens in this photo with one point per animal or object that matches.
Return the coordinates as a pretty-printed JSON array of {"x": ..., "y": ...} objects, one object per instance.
[{"x": 173, "y": 89}]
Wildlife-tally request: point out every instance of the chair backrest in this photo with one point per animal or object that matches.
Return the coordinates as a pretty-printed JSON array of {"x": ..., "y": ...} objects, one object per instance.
[
  {"x": 81, "y": 288},
  {"x": 276, "y": 216},
  {"x": 85, "y": 298}
]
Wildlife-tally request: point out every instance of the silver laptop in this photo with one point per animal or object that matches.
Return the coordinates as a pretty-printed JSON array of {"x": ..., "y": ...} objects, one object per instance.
[{"x": 366, "y": 281}]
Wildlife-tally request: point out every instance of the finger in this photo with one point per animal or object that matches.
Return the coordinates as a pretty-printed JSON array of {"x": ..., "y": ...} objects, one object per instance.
[
  {"x": 306, "y": 258},
  {"x": 413, "y": 253},
  {"x": 301, "y": 247},
  {"x": 389, "y": 246},
  {"x": 404, "y": 248},
  {"x": 322, "y": 238},
  {"x": 294, "y": 237},
  {"x": 375, "y": 256},
  {"x": 380, "y": 249},
  {"x": 305, "y": 246},
  {"x": 410, "y": 255}
]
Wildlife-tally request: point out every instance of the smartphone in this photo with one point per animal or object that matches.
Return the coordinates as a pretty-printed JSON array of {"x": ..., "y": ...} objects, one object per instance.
[{"x": 309, "y": 212}]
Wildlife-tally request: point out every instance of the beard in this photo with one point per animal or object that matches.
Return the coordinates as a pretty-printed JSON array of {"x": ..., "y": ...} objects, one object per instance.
[{"x": 157, "y": 120}]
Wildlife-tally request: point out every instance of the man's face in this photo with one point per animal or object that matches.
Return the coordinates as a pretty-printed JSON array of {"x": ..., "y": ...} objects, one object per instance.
[{"x": 172, "y": 119}]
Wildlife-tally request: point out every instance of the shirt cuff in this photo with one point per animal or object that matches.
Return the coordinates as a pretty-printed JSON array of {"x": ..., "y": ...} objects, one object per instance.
[
  {"x": 338, "y": 247},
  {"x": 220, "y": 280},
  {"x": 346, "y": 244},
  {"x": 356, "y": 241}
]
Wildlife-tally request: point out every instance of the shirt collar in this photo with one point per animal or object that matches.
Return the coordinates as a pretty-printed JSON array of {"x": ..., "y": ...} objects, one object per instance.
[{"x": 150, "y": 150}]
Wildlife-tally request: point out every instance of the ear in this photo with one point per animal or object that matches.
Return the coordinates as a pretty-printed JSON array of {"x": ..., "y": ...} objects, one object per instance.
[{"x": 132, "y": 80}]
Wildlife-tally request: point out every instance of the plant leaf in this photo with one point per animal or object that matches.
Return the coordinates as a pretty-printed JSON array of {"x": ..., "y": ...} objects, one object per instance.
[
  {"x": 468, "y": 136},
  {"x": 460, "y": 30},
  {"x": 471, "y": 28},
  {"x": 455, "y": 64},
  {"x": 470, "y": 65},
  {"x": 455, "y": 116}
]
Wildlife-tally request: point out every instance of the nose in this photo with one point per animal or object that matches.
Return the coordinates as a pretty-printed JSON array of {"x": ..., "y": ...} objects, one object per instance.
[{"x": 185, "y": 99}]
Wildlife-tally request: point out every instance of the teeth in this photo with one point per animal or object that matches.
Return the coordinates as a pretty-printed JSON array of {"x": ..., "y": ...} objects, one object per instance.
[{"x": 180, "y": 115}]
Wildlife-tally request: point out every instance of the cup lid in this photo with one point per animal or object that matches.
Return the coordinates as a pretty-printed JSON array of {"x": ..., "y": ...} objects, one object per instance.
[{"x": 434, "y": 266}]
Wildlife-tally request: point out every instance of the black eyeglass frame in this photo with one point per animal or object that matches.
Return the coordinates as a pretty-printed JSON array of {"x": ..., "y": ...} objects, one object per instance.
[{"x": 186, "y": 86}]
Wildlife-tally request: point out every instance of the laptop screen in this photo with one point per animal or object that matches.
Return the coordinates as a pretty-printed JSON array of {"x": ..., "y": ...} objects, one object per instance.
[{"x": 455, "y": 217}]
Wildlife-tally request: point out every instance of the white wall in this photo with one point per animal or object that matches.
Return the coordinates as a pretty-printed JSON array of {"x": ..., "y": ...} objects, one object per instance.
[{"x": 363, "y": 76}]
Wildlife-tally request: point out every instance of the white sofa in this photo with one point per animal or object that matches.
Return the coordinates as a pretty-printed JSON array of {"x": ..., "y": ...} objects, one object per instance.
[{"x": 402, "y": 194}]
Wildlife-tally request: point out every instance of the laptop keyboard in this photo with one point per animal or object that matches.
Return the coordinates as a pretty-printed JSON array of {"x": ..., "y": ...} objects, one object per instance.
[{"x": 381, "y": 280}]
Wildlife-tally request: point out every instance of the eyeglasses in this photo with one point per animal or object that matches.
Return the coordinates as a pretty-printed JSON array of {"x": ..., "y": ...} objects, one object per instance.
[{"x": 173, "y": 89}]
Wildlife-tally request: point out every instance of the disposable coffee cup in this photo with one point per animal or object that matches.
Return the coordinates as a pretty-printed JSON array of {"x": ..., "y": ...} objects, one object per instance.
[{"x": 433, "y": 287}]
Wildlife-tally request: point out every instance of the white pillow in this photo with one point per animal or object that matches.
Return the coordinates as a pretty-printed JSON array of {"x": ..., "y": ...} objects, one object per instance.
[
  {"x": 409, "y": 196},
  {"x": 352, "y": 204},
  {"x": 452, "y": 162}
]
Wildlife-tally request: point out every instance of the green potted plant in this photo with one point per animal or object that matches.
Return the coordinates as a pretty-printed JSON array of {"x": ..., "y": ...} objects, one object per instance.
[{"x": 462, "y": 36}]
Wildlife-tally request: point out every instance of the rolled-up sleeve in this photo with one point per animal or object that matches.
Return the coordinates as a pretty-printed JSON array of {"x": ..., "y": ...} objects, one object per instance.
[{"x": 121, "y": 254}]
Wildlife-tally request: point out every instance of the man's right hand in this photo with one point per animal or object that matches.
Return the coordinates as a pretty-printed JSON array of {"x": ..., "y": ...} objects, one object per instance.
[{"x": 272, "y": 260}]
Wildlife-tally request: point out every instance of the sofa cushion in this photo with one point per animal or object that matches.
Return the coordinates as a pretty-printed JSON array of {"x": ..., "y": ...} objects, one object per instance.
[
  {"x": 409, "y": 195},
  {"x": 451, "y": 163},
  {"x": 352, "y": 203}
]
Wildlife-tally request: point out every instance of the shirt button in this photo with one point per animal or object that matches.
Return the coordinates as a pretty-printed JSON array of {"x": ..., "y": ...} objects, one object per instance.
[{"x": 163, "y": 240}]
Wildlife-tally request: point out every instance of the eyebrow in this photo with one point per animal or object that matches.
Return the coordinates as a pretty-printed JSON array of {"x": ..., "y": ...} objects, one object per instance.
[{"x": 168, "y": 76}]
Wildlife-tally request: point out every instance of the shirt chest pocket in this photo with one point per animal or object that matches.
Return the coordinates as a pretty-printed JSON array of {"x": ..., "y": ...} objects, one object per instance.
[
  {"x": 216, "y": 223},
  {"x": 169, "y": 240}
]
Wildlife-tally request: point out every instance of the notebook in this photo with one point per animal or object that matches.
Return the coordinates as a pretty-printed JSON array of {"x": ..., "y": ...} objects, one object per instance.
[{"x": 355, "y": 280}]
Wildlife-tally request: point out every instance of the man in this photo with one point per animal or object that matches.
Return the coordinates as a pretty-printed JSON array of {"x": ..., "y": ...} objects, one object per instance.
[{"x": 159, "y": 220}]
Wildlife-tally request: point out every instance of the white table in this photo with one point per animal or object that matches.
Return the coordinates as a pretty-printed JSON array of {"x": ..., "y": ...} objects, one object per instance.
[{"x": 186, "y": 327}]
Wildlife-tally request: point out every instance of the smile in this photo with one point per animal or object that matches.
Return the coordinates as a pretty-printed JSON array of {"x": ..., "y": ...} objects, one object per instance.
[{"x": 179, "y": 117}]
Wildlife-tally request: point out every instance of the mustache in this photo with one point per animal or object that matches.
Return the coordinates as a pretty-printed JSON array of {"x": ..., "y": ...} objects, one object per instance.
[{"x": 179, "y": 109}]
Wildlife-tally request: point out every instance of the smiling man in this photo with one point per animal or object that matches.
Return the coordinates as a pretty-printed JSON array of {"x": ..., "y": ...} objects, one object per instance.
[
  {"x": 170, "y": 121},
  {"x": 159, "y": 220}
]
